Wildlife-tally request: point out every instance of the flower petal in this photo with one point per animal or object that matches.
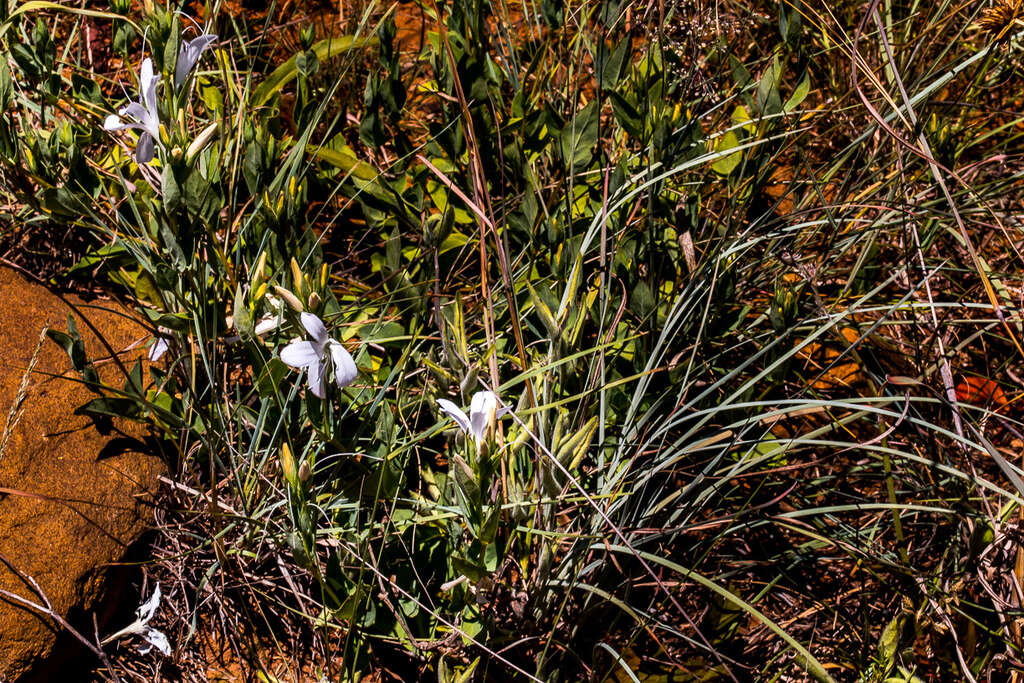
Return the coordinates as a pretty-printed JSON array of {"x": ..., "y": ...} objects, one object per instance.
[
  {"x": 345, "y": 370},
  {"x": 158, "y": 349},
  {"x": 146, "y": 74},
  {"x": 147, "y": 609},
  {"x": 482, "y": 410},
  {"x": 134, "y": 110},
  {"x": 454, "y": 412},
  {"x": 114, "y": 122},
  {"x": 315, "y": 327},
  {"x": 318, "y": 378},
  {"x": 300, "y": 354},
  {"x": 156, "y": 639},
  {"x": 188, "y": 56},
  {"x": 144, "y": 149},
  {"x": 147, "y": 86},
  {"x": 267, "y": 324}
]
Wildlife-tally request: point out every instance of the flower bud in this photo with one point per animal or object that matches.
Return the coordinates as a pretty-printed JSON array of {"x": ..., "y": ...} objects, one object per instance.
[
  {"x": 297, "y": 277},
  {"x": 260, "y": 292},
  {"x": 259, "y": 271},
  {"x": 289, "y": 298},
  {"x": 201, "y": 141},
  {"x": 288, "y": 465},
  {"x": 314, "y": 301}
]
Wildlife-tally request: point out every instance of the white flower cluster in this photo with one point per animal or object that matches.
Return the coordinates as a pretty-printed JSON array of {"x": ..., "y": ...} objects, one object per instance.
[{"x": 145, "y": 112}]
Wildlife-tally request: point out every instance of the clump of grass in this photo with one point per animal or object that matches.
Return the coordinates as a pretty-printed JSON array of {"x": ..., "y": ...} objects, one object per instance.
[{"x": 729, "y": 302}]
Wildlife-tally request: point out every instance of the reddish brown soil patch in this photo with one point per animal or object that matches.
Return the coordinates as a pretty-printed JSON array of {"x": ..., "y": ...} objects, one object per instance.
[{"x": 71, "y": 502}]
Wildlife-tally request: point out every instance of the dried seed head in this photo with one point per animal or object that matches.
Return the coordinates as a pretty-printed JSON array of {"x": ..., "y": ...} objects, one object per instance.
[{"x": 998, "y": 18}]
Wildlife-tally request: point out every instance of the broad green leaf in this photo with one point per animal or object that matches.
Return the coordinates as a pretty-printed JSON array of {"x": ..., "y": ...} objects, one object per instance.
[
  {"x": 170, "y": 189},
  {"x": 284, "y": 74},
  {"x": 472, "y": 571},
  {"x": 740, "y": 117},
  {"x": 271, "y": 377},
  {"x": 800, "y": 94},
  {"x": 344, "y": 160},
  {"x": 727, "y": 163},
  {"x": 6, "y": 86},
  {"x": 579, "y": 136},
  {"x": 147, "y": 290},
  {"x": 240, "y": 314}
]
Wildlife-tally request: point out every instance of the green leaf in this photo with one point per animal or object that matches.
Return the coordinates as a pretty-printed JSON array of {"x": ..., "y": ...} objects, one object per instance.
[
  {"x": 271, "y": 377},
  {"x": 579, "y": 136},
  {"x": 110, "y": 406},
  {"x": 307, "y": 63},
  {"x": 790, "y": 20},
  {"x": 201, "y": 196},
  {"x": 800, "y": 94},
  {"x": 344, "y": 160},
  {"x": 73, "y": 345},
  {"x": 172, "y": 321},
  {"x": 147, "y": 290},
  {"x": 243, "y": 321},
  {"x": 212, "y": 98},
  {"x": 469, "y": 491},
  {"x": 170, "y": 189},
  {"x": 114, "y": 253},
  {"x": 381, "y": 331},
  {"x": 546, "y": 316},
  {"x": 124, "y": 34},
  {"x": 61, "y": 339},
  {"x": 768, "y": 98},
  {"x": 133, "y": 382},
  {"x": 626, "y": 115},
  {"x": 889, "y": 642},
  {"x": 473, "y": 572},
  {"x": 610, "y": 65},
  {"x": 6, "y": 86},
  {"x": 489, "y": 529},
  {"x": 740, "y": 74},
  {"x": 170, "y": 56},
  {"x": 284, "y": 74},
  {"x": 728, "y": 162},
  {"x": 172, "y": 246}
]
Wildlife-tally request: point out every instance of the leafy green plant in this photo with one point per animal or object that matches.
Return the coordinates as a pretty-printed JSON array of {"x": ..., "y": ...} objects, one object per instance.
[{"x": 725, "y": 402}]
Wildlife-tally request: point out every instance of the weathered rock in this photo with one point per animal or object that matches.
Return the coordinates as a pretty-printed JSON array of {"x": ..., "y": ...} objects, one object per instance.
[{"x": 66, "y": 511}]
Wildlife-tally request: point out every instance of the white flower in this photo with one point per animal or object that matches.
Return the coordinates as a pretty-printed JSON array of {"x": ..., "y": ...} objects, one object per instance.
[
  {"x": 483, "y": 411},
  {"x": 144, "y": 112},
  {"x": 313, "y": 356},
  {"x": 188, "y": 54},
  {"x": 140, "y": 627}
]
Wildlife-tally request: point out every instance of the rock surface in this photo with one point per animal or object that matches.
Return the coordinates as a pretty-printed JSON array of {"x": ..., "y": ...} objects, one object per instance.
[{"x": 73, "y": 500}]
